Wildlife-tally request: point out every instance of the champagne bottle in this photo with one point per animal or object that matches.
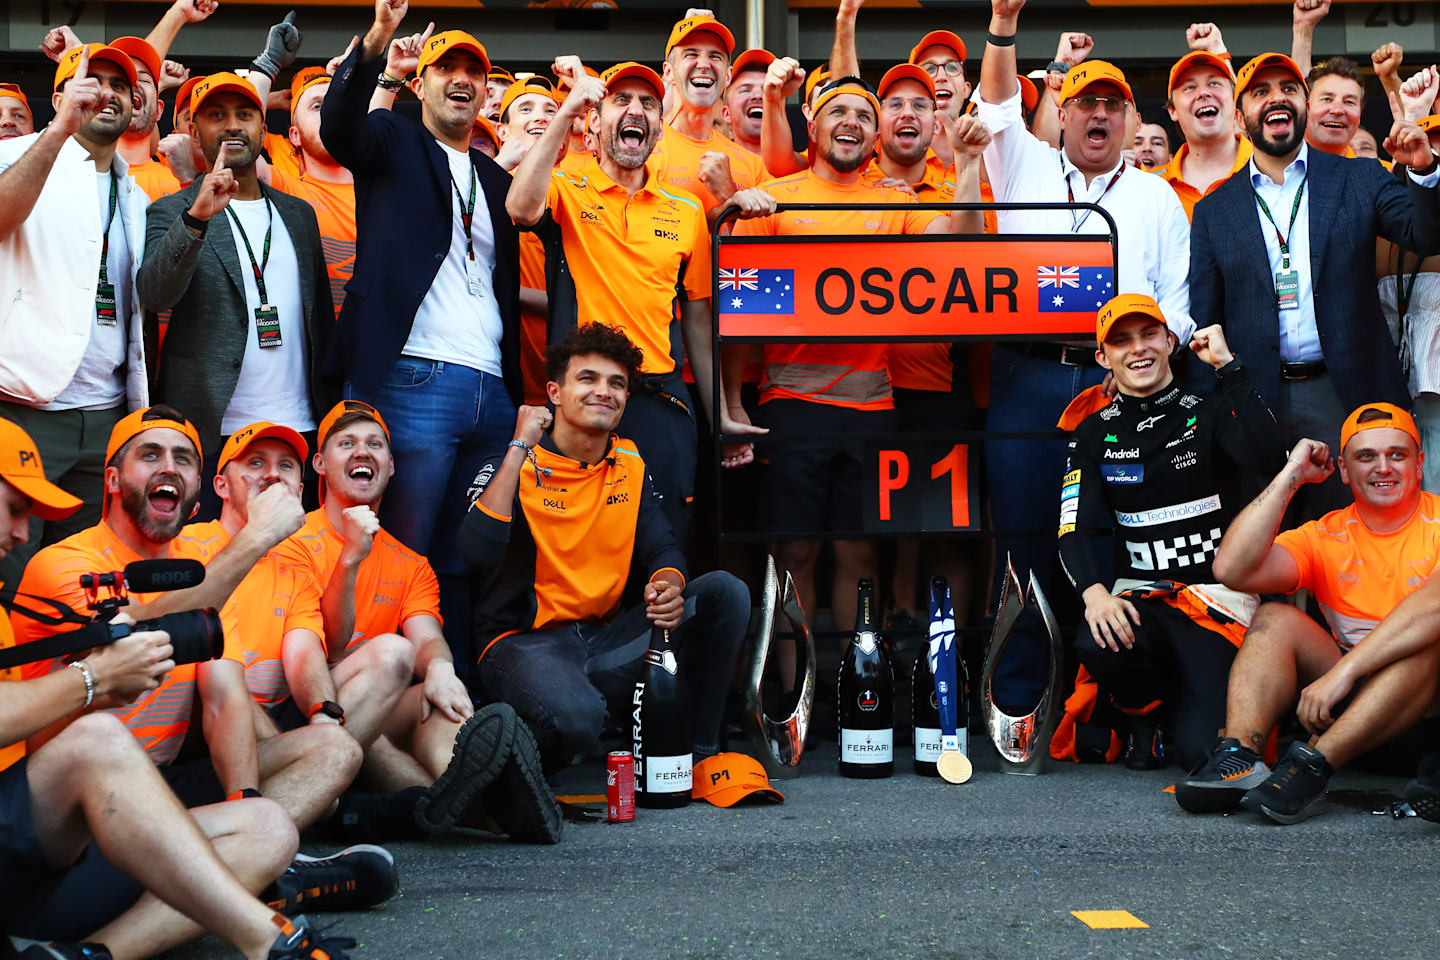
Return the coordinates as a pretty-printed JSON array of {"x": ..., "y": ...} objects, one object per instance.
[
  {"x": 661, "y": 741},
  {"x": 925, "y": 715},
  {"x": 865, "y": 696}
]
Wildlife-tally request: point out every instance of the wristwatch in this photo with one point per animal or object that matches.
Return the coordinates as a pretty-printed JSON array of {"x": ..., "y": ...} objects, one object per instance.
[{"x": 330, "y": 709}]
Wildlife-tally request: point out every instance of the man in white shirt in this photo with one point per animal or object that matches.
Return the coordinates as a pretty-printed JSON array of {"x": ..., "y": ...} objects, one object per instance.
[
  {"x": 241, "y": 270},
  {"x": 71, "y": 235},
  {"x": 1031, "y": 383}
]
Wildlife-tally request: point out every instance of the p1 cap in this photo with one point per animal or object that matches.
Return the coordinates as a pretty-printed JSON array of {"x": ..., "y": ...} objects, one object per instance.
[
  {"x": 1125, "y": 305},
  {"x": 70, "y": 61},
  {"x": 182, "y": 98},
  {"x": 727, "y": 778},
  {"x": 851, "y": 85},
  {"x": 157, "y": 417},
  {"x": 939, "y": 38},
  {"x": 1199, "y": 58},
  {"x": 518, "y": 89},
  {"x": 639, "y": 71},
  {"x": 13, "y": 90},
  {"x": 304, "y": 80},
  {"x": 140, "y": 49},
  {"x": 815, "y": 78},
  {"x": 1394, "y": 417},
  {"x": 20, "y": 466},
  {"x": 322, "y": 433},
  {"x": 1091, "y": 72},
  {"x": 484, "y": 126},
  {"x": 1429, "y": 124},
  {"x": 500, "y": 74},
  {"x": 442, "y": 43},
  {"x": 700, "y": 23},
  {"x": 1246, "y": 74},
  {"x": 754, "y": 59},
  {"x": 242, "y": 438},
  {"x": 905, "y": 71},
  {"x": 223, "y": 82}
]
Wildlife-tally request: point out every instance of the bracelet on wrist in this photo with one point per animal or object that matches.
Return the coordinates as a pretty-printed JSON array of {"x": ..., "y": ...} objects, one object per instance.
[
  {"x": 194, "y": 222},
  {"x": 521, "y": 444},
  {"x": 88, "y": 672},
  {"x": 1057, "y": 66},
  {"x": 995, "y": 40},
  {"x": 387, "y": 82}
]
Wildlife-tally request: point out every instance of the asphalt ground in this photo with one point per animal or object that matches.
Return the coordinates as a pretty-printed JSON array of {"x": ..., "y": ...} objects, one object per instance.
[{"x": 913, "y": 867}]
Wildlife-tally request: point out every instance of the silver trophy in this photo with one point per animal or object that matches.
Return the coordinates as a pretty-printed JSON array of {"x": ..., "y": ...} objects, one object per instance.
[
  {"x": 1022, "y": 741},
  {"x": 779, "y": 743}
]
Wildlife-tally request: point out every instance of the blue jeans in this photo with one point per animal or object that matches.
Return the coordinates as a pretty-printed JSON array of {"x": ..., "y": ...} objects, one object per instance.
[
  {"x": 563, "y": 681},
  {"x": 445, "y": 420},
  {"x": 1030, "y": 393}
]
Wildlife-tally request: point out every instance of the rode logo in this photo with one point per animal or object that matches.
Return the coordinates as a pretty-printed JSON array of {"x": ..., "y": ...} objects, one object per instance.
[
  {"x": 618, "y": 498},
  {"x": 667, "y": 235}
]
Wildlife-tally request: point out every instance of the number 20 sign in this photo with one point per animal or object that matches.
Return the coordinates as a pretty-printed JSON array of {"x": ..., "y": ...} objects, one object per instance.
[{"x": 920, "y": 485}]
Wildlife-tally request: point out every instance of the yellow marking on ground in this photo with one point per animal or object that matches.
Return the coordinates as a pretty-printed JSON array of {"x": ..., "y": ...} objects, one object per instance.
[
  {"x": 1109, "y": 919},
  {"x": 582, "y": 798}
]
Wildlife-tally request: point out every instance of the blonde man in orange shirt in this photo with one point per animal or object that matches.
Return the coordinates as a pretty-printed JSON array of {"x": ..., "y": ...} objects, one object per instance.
[{"x": 1202, "y": 103}]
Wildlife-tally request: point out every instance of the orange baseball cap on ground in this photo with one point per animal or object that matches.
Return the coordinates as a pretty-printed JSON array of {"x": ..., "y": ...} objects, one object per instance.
[
  {"x": 1091, "y": 72},
  {"x": 13, "y": 90},
  {"x": 1125, "y": 305},
  {"x": 139, "y": 49},
  {"x": 442, "y": 43},
  {"x": 223, "y": 82},
  {"x": 518, "y": 89},
  {"x": 754, "y": 59},
  {"x": 700, "y": 23},
  {"x": 905, "y": 71},
  {"x": 1199, "y": 58},
  {"x": 1393, "y": 417},
  {"x": 304, "y": 80},
  {"x": 632, "y": 69},
  {"x": 242, "y": 438},
  {"x": 70, "y": 61},
  {"x": 182, "y": 98},
  {"x": 1245, "y": 74},
  {"x": 939, "y": 38},
  {"x": 727, "y": 778},
  {"x": 20, "y": 467}
]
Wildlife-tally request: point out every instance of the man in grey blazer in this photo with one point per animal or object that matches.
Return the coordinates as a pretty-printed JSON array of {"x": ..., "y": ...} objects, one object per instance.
[{"x": 241, "y": 270}]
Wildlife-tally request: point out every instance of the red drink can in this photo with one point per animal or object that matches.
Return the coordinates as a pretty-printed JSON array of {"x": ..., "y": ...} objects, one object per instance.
[{"x": 620, "y": 785}]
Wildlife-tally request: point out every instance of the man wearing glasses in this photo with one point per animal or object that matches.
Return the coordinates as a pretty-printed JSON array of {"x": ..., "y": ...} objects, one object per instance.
[{"x": 1031, "y": 383}]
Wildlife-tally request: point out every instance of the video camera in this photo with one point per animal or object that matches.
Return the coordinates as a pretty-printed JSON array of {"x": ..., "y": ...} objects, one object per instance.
[{"x": 196, "y": 635}]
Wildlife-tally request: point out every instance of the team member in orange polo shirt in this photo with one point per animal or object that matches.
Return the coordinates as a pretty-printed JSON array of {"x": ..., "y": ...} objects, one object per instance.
[
  {"x": 622, "y": 242},
  {"x": 1359, "y": 563},
  {"x": 744, "y": 101},
  {"x": 381, "y": 610},
  {"x": 1202, "y": 102},
  {"x": 690, "y": 155},
  {"x": 16, "y": 120},
  {"x": 137, "y": 143},
  {"x": 815, "y": 484}
]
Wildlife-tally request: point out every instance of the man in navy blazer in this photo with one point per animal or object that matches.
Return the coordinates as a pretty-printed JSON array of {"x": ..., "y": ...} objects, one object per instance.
[
  {"x": 429, "y": 333},
  {"x": 1282, "y": 255}
]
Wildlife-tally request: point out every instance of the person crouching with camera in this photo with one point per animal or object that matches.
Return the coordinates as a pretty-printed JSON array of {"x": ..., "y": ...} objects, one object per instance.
[{"x": 93, "y": 785}]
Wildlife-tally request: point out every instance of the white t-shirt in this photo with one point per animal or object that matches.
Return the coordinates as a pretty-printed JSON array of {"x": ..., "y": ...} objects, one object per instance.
[
  {"x": 99, "y": 381},
  {"x": 273, "y": 382},
  {"x": 454, "y": 325}
]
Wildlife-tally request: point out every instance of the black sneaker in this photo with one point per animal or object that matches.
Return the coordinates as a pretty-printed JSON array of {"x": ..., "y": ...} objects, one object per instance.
[
  {"x": 299, "y": 941},
  {"x": 521, "y": 800},
  {"x": 483, "y": 745},
  {"x": 1145, "y": 750},
  {"x": 47, "y": 950},
  {"x": 1423, "y": 793},
  {"x": 374, "y": 817},
  {"x": 355, "y": 878},
  {"x": 1295, "y": 789},
  {"x": 1220, "y": 780}
]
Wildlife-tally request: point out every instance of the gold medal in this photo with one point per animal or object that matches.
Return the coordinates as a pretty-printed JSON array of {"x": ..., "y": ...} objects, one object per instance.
[{"x": 954, "y": 766}]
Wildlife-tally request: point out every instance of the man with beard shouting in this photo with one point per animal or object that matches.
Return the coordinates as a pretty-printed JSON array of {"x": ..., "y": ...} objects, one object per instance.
[{"x": 1273, "y": 255}]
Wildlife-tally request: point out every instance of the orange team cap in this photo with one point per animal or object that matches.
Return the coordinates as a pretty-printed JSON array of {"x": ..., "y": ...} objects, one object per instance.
[
  {"x": 1029, "y": 94},
  {"x": 442, "y": 43},
  {"x": 851, "y": 85},
  {"x": 140, "y": 49},
  {"x": 939, "y": 38},
  {"x": 224, "y": 82},
  {"x": 1199, "y": 58},
  {"x": 182, "y": 97},
  {"x": 727, "y": 778},
  {"x": 13, "y": 90},
  {"x": 1125, "y": 305},
  {"x": 630, "y": 68},
  {"x": 753, "y": 59},
  {"x": 1092, "y": 72},
  {"x": 1266, "y": 60},
  {"x": 1394, "y": 417},
  {"x": 518, "y": 89},
  {"x": 145, "y": 419},
  {"x": 483, "y": 125},
  {"x": 1429, "y": 124},
  {"x": 700, "y": 23},
  {"x": 322, "y": 433},
  {"x": 70, "y": 61},
  {"x": 242, "y": 438},
  {"x": 304, "y": 80},
  {"x": 20, "y": 466},
  {"x": 817, "y": 76},
  {"x": 905, "y": 71},
  {"x": 500, "y": 73}
]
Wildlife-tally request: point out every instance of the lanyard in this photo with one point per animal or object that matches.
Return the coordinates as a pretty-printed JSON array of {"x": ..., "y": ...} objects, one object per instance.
[
  {"x": 105, "y": 238},
  {"x": 1402, "y": 291},
  {"x": 259, "y": 268},
  {"x": 467, "y": 212},
  {"x": 1075, "y": 225},
  {"x": 1294, "y": 212}
]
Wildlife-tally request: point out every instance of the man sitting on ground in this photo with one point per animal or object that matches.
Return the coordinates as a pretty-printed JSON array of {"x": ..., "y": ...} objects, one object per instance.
[
  {"x": 1359, "y": 563},
  {"x": 558, "y": 521}
]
